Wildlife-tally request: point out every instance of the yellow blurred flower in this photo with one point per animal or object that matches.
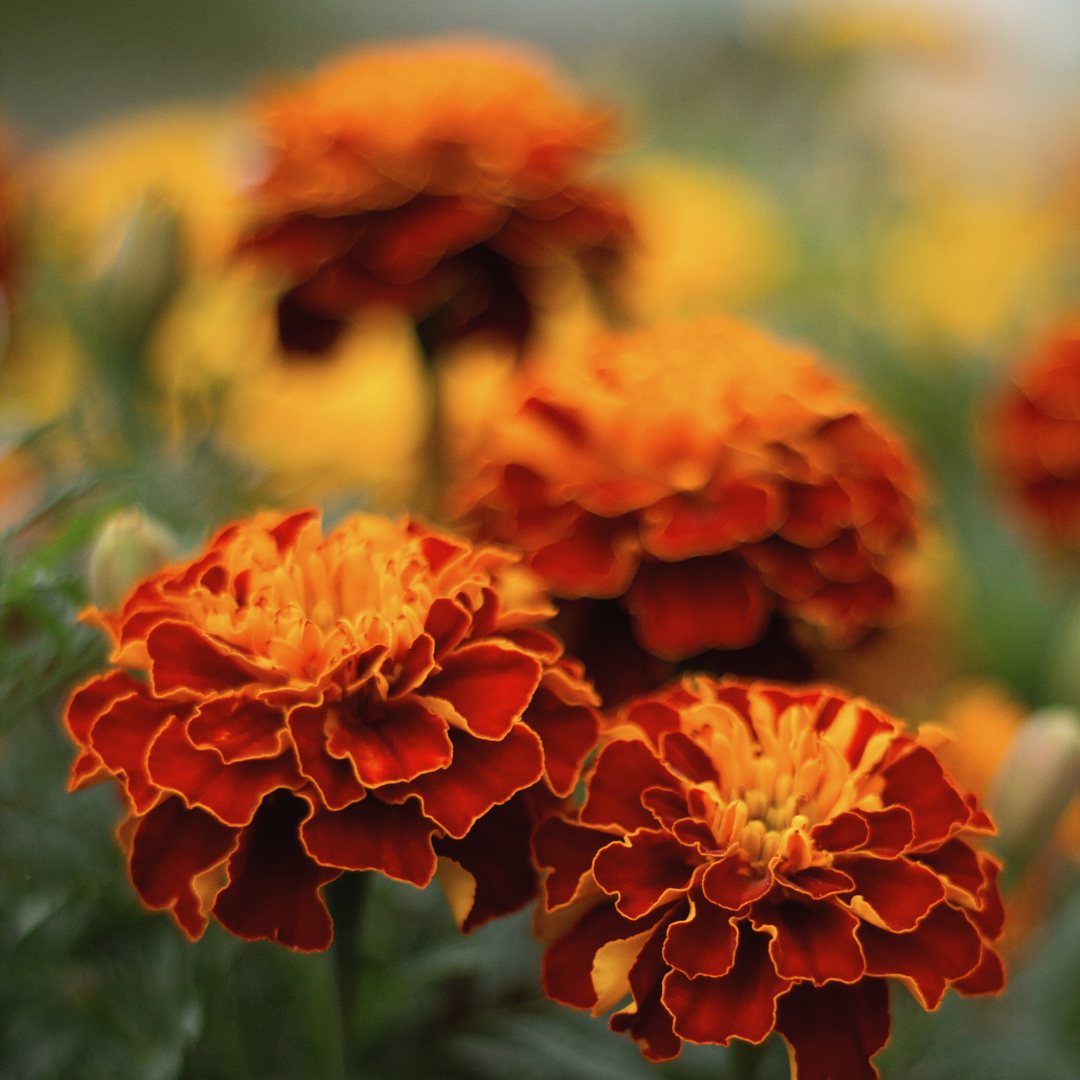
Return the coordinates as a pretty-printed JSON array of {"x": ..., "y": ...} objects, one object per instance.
[
  {"x": 964, "y": 269},
  {"x": 351, "y": 419},
  {"x": 709, "y": 238}
]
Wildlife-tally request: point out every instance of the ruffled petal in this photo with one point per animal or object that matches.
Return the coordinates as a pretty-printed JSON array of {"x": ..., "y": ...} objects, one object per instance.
[
  {"x": 834, "y": 1030},
  {"x": 388, "y": 742},
  {"x": 681, "y": 753},
  {"x": 741, "y": 1003},
  {"x": 917, "y": 782},
  {"x": 238, "y": 728},
  {"x": 567, "y": 732},
  {"x": 942, "y": 948},
  {"x": 274, "y": 888},
  {"x": 185, "y": 661},
  {"x": 232, "y": 793},
  {"x": 335, "y": 778},
  {"x": 891, "y": 893},
  {"x": 447, "y": 623},
  {"x": 730, "y": 883},
  {"x": 488, "y": 685},
  {"x": 814, "y": 940},
  {"x": 624, "y": 769},
  {"x": 704, "y": 942},
  {"x": 987, "y": 978},
  {"x": 567, "y": 850},
  {"x": 684, "y": 608},
  {"x": 171, "y": 847},
  {"x": 597, "y": 558},
  {"x": 481, "y": 775},
  {"x": 648, "y": 868},
  {"x": 94, "y": 697},
  {"x": 374, "y": 835}
]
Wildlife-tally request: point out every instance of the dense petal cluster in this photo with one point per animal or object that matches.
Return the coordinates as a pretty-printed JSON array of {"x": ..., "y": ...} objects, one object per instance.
[
  {"x": 1034, "y": 437},
  {"x": 707, "y": 475},
  {"x": 288, "y": 706},
  {"x": 752, "y": 858},
  {"x": 443, "y": 177}
]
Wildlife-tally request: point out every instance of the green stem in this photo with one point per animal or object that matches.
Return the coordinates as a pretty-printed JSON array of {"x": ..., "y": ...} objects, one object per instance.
[
  {"x": 744, "y": 1059},
  {"x": 346, "y": 898}
]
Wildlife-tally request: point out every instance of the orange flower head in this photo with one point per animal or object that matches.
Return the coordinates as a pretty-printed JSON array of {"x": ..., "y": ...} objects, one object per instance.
[
  {"x": 310, "y": 705},
  {"x": 752, "y": 858},
  {"x": 706, "y": 475},
  {"x": 1033, "y": 438},
  {"x": 443, "y": 178}
]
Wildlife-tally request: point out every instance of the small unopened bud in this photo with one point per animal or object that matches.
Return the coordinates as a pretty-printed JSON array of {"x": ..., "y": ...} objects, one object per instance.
[
  {"x": 144, "y": 272},
  {"x": 128, "y": 547},
  {"x": 1035, "y": 781}
]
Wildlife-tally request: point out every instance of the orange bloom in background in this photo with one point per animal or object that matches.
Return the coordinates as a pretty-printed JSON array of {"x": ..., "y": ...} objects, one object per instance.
[
  {"x": 752, "y": 858},
  {"x": 706, "y": 476},
  {"x": 446, "y": 179},
  {"x": 310, "y": 705},
  {"x": 1033, "y": 437}
]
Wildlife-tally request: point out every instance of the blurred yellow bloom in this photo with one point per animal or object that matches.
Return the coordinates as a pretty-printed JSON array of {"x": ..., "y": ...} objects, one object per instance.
[
  {"x": 709, "y": 238},
  {"x": 349, "y": 420},
  {"x": 964, "y": 270}
]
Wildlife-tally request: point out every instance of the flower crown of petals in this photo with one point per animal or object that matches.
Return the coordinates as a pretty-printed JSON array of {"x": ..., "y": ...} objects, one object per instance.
[
  {"x": 313, "y": 705},
  {"x": 751, "y": 857},
  {"x": 446, "y": 117}
]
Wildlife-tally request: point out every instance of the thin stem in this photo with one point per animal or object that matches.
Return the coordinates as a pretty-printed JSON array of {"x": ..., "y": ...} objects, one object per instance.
[{"x": 346, "y": 898}]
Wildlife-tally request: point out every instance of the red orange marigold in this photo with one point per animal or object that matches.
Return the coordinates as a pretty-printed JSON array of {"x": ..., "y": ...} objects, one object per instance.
[
  {"x": 705, "y": 474},
  {"x": 752, "y": 858},
  {"x": 288, "y": 706},
  {"x": 435, "y": 177},
  {"x": 1033, "y": 439}
]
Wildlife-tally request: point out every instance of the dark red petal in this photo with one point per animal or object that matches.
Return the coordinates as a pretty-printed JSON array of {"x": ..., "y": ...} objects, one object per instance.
[
  {"x": 274, "y": 885},
  {"x": 943, "y": 947},
  {"x": 481, "y": 775},
  {"x": 845, "y": 832},
  {"x": 568, "y": 733},
  {"x": 231, "y": 793},
  {"x": 122, "y": 738},
  {"x": 891, "y": 830},
  {"x": 285, "y": 534},
  {"x": 899, "y": 891},
  {"x": 644, "y": 870},
  {"x": 704, "y": 943},
  {"x": 814, "y": 940},
  {"x": 373, "y": 835},
  {"x": 693, "y": 833},
  {"x": 683, "y": 608},
  {"x": 654, "y": 718},
  {"x": 818, "y": 881},
  {"x": 568, "y": 851},
  {"x": 918, "y": 782},
  {"x": 957, "y": 863},
  {"x": 447, "y": 623},
  {"x": 547, "y": 648},
  {"x": 413, "y": 668},
  {"x": 990, "y": 915},
  {"x": 679, "y": 752},
  {"x": 740, "y": 1004},
  {"x": 593, "y": 560},
  {"x": 439, "y": 551},
  {"x": 389, "y": 741},
  {"x": 184, "y": 659},
  {"x": 650, "y": 1024},
  {"x": 567, "y": 965},
  {"x": 834, "y": 1030},
  {"x": 335, "y": 778},
  {"x": 488, "y": 685},
  {"x": 496, "y": 853},
  {"x": 731, "y": 884},
  {"x": 173, "y": 845},
  {"x": 987, "y": 978},
  {"x": 238, "y": 728},
  {"x": 91, "y": 699},
  {"x": 624, "y": 769}
]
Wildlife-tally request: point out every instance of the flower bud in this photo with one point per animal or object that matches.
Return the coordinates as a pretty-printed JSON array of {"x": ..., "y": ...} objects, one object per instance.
[
  {"x": 144, "y": 272},
  {"x": 128, "y": 547},
  {"x": 1035, "y": 781}
]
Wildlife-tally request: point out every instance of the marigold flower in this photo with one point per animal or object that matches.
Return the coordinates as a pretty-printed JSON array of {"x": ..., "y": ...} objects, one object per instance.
[
  {"x": 752, "y": 858},
  {"x": 1033, "y": 436},
  {"x": 705, "y": 475},
  {"x": 443, "y": 178},
  {"x": 286, "y": 707}
]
